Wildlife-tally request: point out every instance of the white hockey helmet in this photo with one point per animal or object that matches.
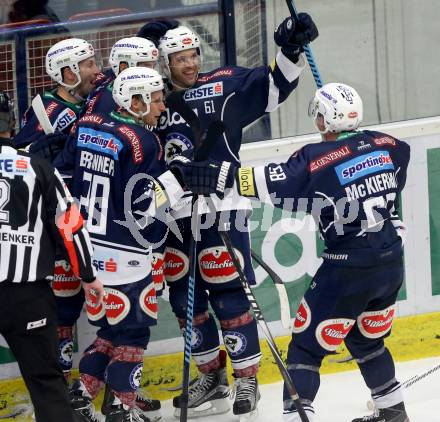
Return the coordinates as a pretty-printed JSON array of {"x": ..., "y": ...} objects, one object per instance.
[
  {"x": 132, "y": 50},
  {"x": 340, "y": 105},
  {"x": 67, "y": 53},
  {"x": 179, "y": 39},
  {"x": 132, "y": 81}
]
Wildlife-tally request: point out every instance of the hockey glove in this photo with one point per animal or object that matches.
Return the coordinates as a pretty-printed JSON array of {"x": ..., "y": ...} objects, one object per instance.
[
  {"x": 293, "y": 35},
  {"x": 48, "y": 146},
  {"x": 204, "y": 177},
  {"x": 157, "y": 29}
]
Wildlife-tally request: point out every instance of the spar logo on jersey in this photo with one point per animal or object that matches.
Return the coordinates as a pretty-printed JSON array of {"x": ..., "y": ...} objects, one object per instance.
[
  {"x": 94, "y": 312},
  {"x": 235, "y": 342},
  {"x": 176, "y": 264},
  {"x": 175, "y": 144},
  {"x": 216, "y": 266},
  {"x": 214, "y": 89},
  {"x": 332, "y": 332},
  {"x": 65, "y": 283},
  {"x": 376, "y": 324},
  {"x": 99, "y": 141},
  {"x": 363, "y": 165},
  {"x": 64, "y": 119},
  {"x": 303, "y": 318},
  {"x": 108, "y": 265},
  {"x": 148, "y": 301},
  {"x": 117, "y": 306}
]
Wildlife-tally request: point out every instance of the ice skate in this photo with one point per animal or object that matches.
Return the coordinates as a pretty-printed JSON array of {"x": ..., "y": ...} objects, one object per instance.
[
  {"x": 118, "y": 412},
  {"x": 82, "y": 404},
  {"x": 207, "y": 396},
  {"x": 395, "y": 413},
  {"x": 145, "y": 406},
  {"x": 247, "y": 396}
]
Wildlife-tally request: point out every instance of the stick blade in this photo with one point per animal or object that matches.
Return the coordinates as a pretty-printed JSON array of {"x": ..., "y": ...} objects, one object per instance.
[{"x": 40, "y": 112}]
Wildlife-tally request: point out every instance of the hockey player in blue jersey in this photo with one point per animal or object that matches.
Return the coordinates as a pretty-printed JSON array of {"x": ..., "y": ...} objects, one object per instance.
[
  {"x": 349, "y": 183},
  {"x": 237, "y": 96},
  {"x": 72, "y": 65},
  {"x": 112, "y": 157}
]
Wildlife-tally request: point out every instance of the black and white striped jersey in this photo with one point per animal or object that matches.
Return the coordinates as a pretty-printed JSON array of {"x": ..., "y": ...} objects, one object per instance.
[{"x": 37, "y": 215}]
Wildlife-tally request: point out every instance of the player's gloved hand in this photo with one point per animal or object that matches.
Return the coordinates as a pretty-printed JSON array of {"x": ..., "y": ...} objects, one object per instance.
[
  {"x": 157, "y": 29},
  {"x": 293, "y": 35},
  {"x": 203, "y": 177},
  {"x": 48, "y": 146}
]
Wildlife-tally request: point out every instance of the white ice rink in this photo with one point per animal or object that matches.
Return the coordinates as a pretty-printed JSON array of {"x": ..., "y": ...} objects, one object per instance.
[{"x": 343, "y": 397}]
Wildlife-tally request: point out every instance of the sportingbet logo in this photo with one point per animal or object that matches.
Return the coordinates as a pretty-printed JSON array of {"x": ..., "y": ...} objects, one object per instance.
[
  {"x": 99, "y": 141},
  {"x": 365, "y": 164}
]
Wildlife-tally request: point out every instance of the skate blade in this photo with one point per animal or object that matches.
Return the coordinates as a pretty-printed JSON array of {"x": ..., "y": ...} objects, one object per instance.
[
  {"x": 248, "y": 417},
  {"x": 152, "y": 415},
  {"x": 213, "y": 407}
]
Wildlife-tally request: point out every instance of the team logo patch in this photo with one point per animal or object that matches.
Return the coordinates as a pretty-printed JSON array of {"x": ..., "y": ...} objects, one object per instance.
[
  {"x": 235, "y": 342},
  {"x": 303, "y": 318},
  {"x": 117, "y": 306},
  {"x": 66, "y": 352},
  {"x": 363, "y": 165},
  {"x": 376, "y": 324},
  {"x": 157, "y": 273},
  {"x": 148, "y": 301},
  {"x": 196, "y": 338},
  {"x": 136, "y": 376},
  {"x": 332, "y": 332},
  {"x": 216, "y": 266},
  {"x": 64, "y": 119},
  {"x": 324, "y": 160},
  {"x": 99, "y": 141},
  {"x": 176, "y": 264},
  {"x": 175, "y": 144},
  {"x": 94, "y": 312},
  {"x": 65, "y": 283}
]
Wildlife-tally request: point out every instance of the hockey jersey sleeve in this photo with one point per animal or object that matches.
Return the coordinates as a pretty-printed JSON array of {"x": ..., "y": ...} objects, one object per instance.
[
  {"x": 285, "y": 185},
  {"x": 68, "y": 225}
]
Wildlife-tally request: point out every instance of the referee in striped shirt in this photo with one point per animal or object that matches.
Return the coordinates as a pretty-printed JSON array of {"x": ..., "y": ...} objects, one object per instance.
[{"x": 37, "y": 214}]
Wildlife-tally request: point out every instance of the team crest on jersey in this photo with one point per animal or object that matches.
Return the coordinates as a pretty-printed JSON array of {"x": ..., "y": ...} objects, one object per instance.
[
  {"x": 66, "y": 352},
  {"x": 196, "y": 338},
  {"x": 235, "y": 342},
  {"x": 64, "y": 119},
  {"x": 363, "y": 165},
  {"x": 303, "y": 318},
  {"x": 136, "y": 376},
  {"x": 65, "y": 283},
  {"x": 216, "y": 266},
  {"x": 157, "y": 263},
  {"x": 176, "y": 264},
  {"x": 175, "y": 144},
  {"x": 148, "y": 301},
  {"x": 214, "y": 89},
  {"x": 332, "y": 332},
  {"x": 94, "y": 312},
  {"x": 99, "y": 141},
  {"x": 117, "y": 306},
  {"x": 376, "y": 324}
]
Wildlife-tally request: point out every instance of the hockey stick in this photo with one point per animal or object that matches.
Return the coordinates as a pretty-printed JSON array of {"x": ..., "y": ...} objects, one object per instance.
[
  {"x": 409, "y": 382},
  {"x": 307, "y": 49},
  {"x": 286, "y": 321},
  {"x": 176, "y": 102},
  {"x": 40, "y": 113}
]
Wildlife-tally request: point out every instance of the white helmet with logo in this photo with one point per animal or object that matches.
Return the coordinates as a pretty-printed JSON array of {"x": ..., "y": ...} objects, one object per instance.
[
  {"x": 67, "y": 53},
  {"x": 175, "y": 40},
  {"x": 132, "y": 50},
  {"x": 132, "y": 81},
  {"x": 340, "y": 105}
]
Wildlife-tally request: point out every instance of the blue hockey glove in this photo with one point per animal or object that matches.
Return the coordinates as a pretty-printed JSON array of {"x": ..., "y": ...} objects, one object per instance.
[
  {"x": 293, "y": 35},
  {"x": 203, "y": 177},
  {"x": 157, "y": 29},
  {"x": 48, "y": 146}
]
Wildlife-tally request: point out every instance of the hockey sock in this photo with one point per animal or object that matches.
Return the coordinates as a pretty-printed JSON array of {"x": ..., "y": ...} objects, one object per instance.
[
  {"x": 124, "y": 373},
  {"x": 65, "y": 349},
  {"x": 206, "y": 344},
  {"x": 240, "y": 336}
]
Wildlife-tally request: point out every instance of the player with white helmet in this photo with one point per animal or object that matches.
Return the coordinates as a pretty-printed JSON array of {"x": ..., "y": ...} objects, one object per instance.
[
  {"x": 106, "y": 150},
  {"x": 237, "y": 96},
  {"x": 350, "y": 183}
]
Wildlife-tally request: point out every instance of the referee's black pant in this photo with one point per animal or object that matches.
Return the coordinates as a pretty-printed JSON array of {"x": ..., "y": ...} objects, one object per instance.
[{"x": 28, "y": 323}]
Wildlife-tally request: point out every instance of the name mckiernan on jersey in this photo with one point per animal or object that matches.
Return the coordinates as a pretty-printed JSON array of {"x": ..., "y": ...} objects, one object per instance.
[{"x": 371, "y": 185}]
